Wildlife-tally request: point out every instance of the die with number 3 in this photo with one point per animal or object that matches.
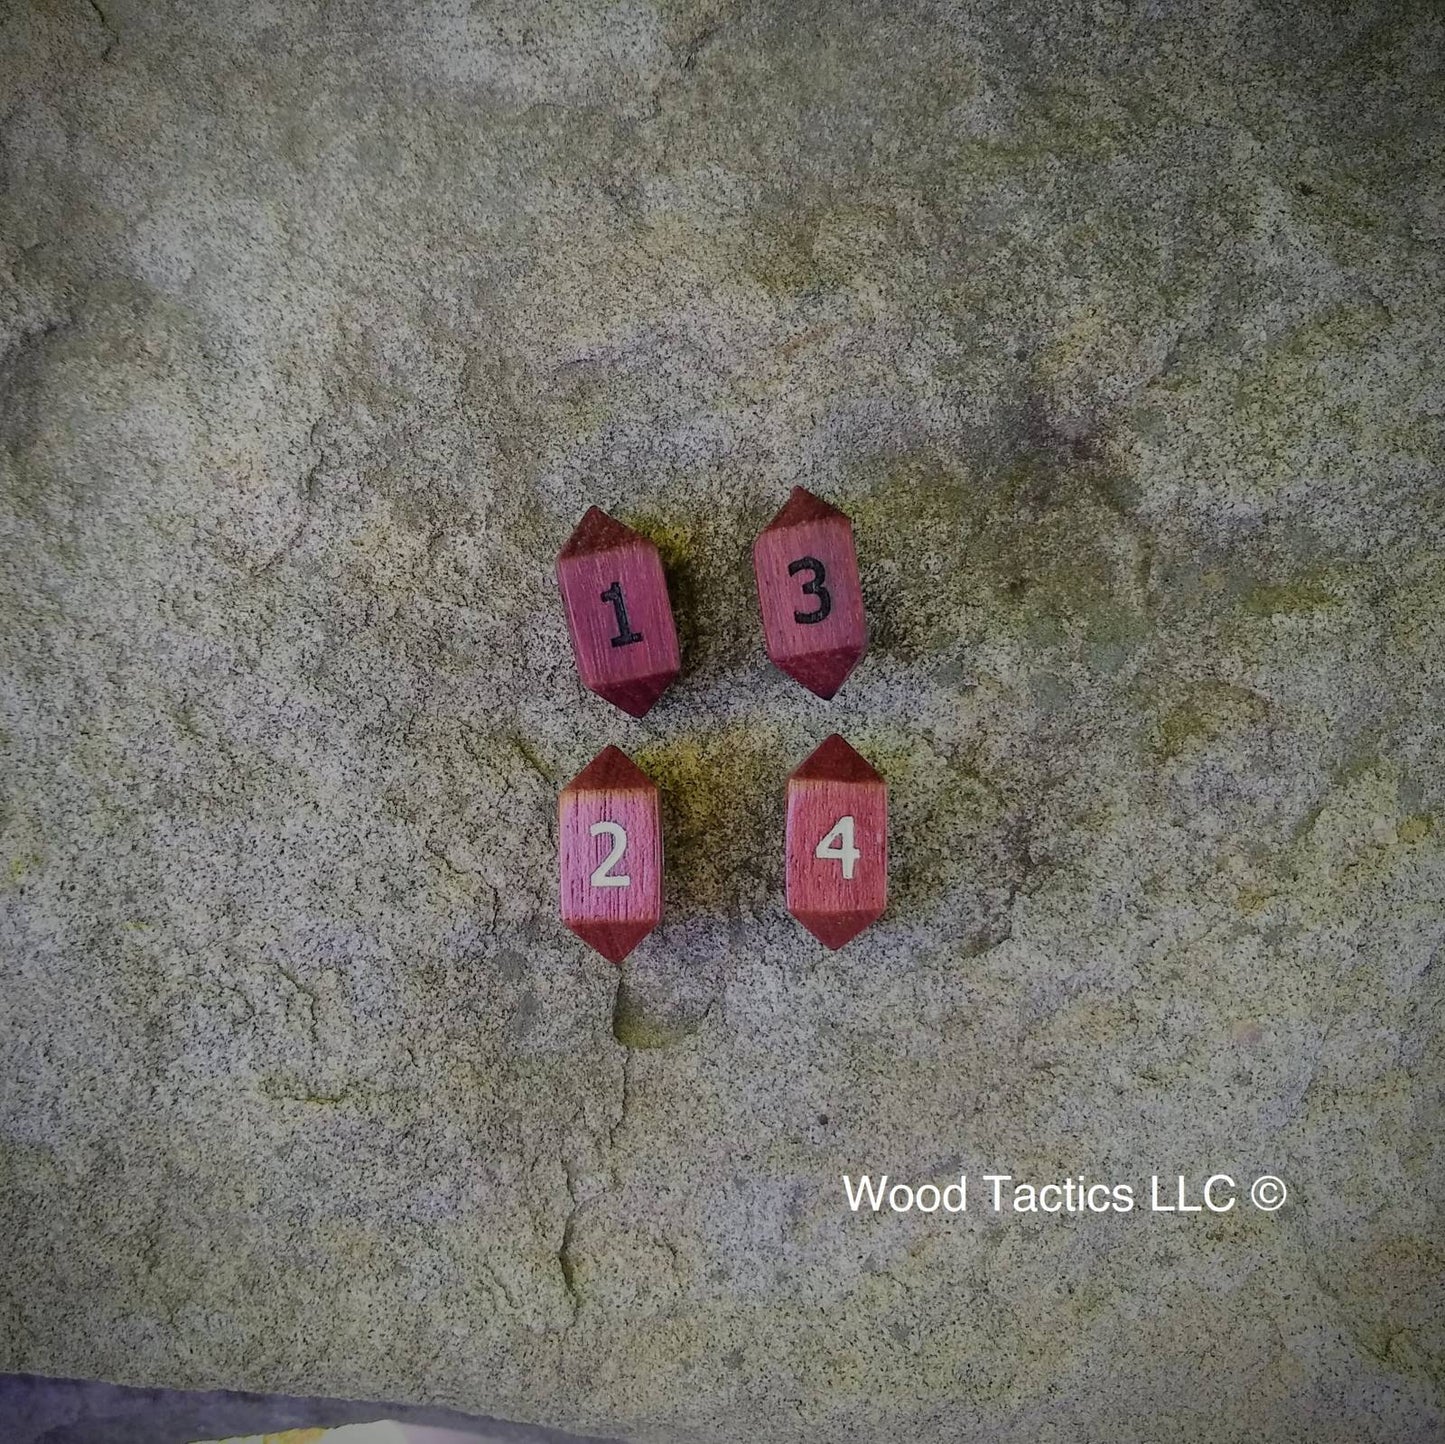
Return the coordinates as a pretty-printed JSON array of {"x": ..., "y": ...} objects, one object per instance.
[{"x": 812, "y": 603}]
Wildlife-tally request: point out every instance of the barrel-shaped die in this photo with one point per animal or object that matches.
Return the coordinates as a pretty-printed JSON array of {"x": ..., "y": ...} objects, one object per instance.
[
  {"x": 837, "y": 844},
  {"x": 808, "y": 589},
  {"x": 609, "y": 824},
  {"x": 618, "y": 613}
]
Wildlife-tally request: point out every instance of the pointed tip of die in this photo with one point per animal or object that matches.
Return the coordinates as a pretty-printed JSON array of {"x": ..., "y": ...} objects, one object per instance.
[
  {"x": 596, "y": 532},
  {"x": 612, "y": 770},
  {"x": 802, "y": 506},
  {"x": 822, "y": 673},
  {"x": 613, "y": 940},
  {"x": 833, "y": 760},
  {"x": 637, "y": 695},
  {"x": 833, "y": 930}
]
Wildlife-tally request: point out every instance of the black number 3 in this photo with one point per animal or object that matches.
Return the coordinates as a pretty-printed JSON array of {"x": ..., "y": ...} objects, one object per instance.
[{"x": 813, "y": 587}]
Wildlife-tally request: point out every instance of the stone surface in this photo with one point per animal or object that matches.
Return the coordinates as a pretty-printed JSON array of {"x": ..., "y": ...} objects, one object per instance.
[{"x": 1114, "y": 328}]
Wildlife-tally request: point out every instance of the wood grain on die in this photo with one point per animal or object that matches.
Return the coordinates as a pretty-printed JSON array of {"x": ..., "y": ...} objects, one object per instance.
[
  {"x": 812, "y": 604},
  {"x": 610, "y": 834},
  {"x": 837, "y": 805},
  {"x": 618, "y": 613}
]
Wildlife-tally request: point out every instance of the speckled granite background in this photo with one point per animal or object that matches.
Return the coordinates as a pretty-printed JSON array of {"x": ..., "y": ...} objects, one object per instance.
[{"x": 1117, "y": 330}]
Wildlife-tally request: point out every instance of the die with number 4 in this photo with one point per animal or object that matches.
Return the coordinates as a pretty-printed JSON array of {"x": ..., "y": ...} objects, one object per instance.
[{"x": 837, "y": 843}]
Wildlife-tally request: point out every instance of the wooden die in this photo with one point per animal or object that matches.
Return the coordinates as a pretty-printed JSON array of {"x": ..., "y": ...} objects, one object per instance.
[
  {"x": 618, "y": 613},
  {"x": 609, "y": 824},
  {"x": 812, "y": 603},
  {"x": 837, "y": 844}
]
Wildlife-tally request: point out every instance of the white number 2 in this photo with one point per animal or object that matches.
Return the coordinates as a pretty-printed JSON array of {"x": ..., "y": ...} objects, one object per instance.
[
  {"x": 604, "y": 876},
  {"x": 839, "y": 844}
]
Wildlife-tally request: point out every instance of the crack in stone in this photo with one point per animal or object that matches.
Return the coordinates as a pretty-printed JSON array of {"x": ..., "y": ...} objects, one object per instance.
[
  {"x": 500, "y": 1285},
  {"x": 565, "y": 1259},
  {"x": 308, "y": 492},
  {"x": 105, "y": 25},
  {"x": 312, "y": 1000},
  {"x": 699, "y": 42},
  {"x": 620, "y": 1121}
]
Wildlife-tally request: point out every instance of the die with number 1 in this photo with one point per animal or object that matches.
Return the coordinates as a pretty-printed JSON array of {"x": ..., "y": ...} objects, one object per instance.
[{"x": 618, "y": 613}]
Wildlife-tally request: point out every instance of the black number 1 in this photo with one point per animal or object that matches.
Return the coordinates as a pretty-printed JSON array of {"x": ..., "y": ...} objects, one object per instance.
[
  {"x": 625, "y": 635},
  {"x": 813, "y": 587}
]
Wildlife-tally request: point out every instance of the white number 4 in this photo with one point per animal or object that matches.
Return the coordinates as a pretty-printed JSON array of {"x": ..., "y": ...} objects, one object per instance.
[
  {"x": 604, "y": 876},
  {"x": 839, "y": 844}
]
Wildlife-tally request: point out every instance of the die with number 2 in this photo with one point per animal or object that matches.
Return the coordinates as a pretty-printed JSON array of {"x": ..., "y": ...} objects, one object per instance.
[{"x": 609, "y": 824}]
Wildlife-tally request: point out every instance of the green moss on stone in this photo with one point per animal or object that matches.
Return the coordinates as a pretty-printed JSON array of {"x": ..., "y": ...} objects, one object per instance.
[
  {"x": 722, "y": 801},
  {"x": 1037, "y": 550},
  {"x": 1302, "y": 595},
  {"x": 1206, "y": 711},
  {"x": 636, "y": 1024}
]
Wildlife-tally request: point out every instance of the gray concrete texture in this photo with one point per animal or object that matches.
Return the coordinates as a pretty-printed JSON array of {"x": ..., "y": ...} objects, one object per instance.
[{"x": 1116, "y": 328}]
